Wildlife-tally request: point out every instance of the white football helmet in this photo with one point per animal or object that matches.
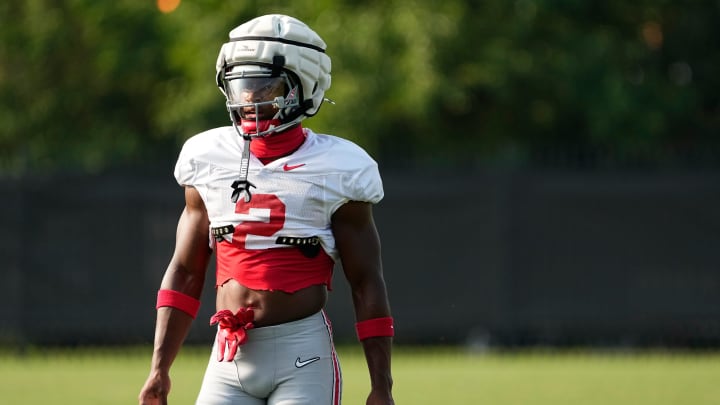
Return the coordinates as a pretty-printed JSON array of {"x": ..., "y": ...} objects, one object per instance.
[{"x": 269, "y": 47}]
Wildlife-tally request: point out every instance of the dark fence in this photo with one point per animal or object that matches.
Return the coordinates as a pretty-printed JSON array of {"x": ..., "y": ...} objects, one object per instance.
[{"x": 485, "y": 258}]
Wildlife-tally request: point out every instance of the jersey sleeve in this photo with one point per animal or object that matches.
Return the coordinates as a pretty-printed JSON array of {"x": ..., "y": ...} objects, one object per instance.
[
  {"x": 189, "y": 168},
  {"x": 184, "y": 167},
  {"x": 365, "y": 184},
  {"x": 358, "y": 177}
]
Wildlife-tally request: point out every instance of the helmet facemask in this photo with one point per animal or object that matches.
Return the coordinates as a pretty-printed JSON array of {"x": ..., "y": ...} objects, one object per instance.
[{"x": 260, "y": 100}]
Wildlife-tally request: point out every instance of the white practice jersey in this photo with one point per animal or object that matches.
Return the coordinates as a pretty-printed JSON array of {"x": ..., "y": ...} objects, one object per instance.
[{"x": 294, "y": 196}]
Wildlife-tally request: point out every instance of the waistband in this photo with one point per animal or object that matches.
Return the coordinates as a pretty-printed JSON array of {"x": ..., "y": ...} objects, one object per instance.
[{"x": 312, "y": 322}]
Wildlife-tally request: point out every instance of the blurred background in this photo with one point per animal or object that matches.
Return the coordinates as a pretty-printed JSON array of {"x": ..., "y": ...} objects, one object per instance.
[{"x": 551, "y": 168}]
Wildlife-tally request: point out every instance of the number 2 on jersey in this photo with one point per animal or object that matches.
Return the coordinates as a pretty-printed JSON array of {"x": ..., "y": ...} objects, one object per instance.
[{"x": 269, "y": 208}]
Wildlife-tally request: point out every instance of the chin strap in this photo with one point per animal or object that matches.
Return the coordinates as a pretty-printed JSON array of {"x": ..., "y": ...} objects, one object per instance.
[
  {"x": 242, "y": 185},
  {"x": 258, "y": 126}
]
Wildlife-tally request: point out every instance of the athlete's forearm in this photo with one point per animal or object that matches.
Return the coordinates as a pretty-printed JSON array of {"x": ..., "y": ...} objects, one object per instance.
[
  {"x": 378, "y": 351},
  {"x": 371, "y": 303},
  {"x": 171, "y": 329},
  {"x": 174, "y": 321}
]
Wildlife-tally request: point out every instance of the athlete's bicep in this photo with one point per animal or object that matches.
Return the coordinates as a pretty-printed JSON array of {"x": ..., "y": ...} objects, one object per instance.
[
  {"x": 357, "y": 239},
  {"x": 192, "y": 252}
]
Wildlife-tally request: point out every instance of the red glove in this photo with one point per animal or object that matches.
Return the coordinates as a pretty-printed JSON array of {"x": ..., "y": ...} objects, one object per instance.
[{"x": 232, "y": 330}]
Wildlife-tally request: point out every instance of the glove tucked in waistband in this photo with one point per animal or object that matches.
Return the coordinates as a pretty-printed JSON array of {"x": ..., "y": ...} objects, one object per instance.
[{"x": 232, "y": 332}]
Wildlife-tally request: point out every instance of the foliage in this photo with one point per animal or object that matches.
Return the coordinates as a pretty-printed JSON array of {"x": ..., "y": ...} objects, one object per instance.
[{"x": 88, "y": 85}]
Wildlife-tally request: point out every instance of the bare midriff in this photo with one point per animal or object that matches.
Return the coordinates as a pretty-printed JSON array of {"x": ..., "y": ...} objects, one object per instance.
[{"x": 271, "y": 307}]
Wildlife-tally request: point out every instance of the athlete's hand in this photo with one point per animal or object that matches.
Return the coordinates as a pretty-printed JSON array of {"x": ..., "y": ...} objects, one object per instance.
[
  {"x": 156, "y": 389},
  {"x": 380, "y": 398}
]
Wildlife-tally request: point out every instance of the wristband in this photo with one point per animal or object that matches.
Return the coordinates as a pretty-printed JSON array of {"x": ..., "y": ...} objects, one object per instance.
[
  {"x": 376, "y": 327},
  {"x": 176, "y": 299}
]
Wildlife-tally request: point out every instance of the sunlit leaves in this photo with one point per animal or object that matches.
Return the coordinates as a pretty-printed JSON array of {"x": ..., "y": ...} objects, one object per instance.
[{"x": 87, "y": 84}]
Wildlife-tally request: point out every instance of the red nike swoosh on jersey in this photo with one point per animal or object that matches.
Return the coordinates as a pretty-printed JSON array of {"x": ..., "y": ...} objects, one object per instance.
[{"x": 288, "y": 168}]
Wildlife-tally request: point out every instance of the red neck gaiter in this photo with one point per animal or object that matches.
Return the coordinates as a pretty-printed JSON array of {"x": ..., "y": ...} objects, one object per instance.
[{"x": 277, "y": 145}]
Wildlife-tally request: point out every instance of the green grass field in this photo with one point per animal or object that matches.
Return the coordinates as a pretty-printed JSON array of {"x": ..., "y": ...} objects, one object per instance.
[{"x": 432, "y": 376}]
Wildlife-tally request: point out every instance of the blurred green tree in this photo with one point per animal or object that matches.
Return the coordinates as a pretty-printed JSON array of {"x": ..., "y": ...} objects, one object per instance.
[
  {"x": 78, "y": 83},
  {"x": 88, "y": 85}
]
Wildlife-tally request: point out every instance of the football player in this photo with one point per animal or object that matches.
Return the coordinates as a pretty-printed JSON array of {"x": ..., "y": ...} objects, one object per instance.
[{"x": 279, "y": 205}]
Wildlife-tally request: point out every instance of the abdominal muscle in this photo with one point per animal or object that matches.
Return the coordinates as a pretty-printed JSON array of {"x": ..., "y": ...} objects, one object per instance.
[{"x": 271, "y": 307}]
